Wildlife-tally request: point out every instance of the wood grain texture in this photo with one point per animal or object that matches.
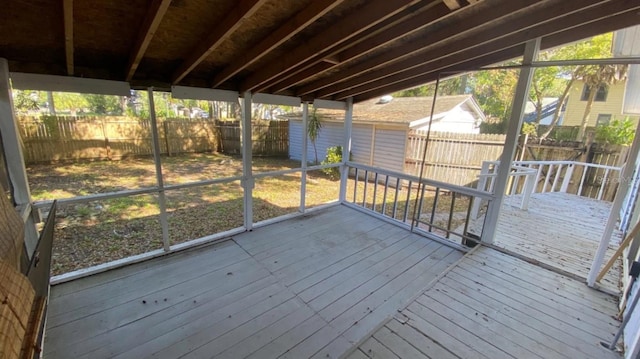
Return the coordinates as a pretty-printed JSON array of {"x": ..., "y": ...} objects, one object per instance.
[{"x": 306, "y": 287}]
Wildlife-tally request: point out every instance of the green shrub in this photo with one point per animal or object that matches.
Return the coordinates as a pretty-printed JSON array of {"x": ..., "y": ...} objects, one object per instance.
[
  {"x": 616, "y": 133},
  {"x": 529, "y": 129},
  {"x": 334, "y": 155}
]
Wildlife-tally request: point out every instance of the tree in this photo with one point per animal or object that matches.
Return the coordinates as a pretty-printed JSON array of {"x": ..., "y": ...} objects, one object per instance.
[
  {"x": 103, "y": 104},
  {"x": 594, "y": 77},
  {"x": 593, "y": 48},
  {"x": 313, "y": 130},
  {"x": 25, "y": 101}
]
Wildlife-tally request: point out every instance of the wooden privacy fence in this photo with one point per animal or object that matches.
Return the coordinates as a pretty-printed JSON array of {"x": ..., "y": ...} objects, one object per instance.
[
  {"x": 451, "y": 157},
  {"x": 73, "y": 138}
]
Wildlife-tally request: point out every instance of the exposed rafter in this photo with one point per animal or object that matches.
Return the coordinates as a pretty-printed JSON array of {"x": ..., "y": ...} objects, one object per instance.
[
  {"x": 424, "y": 75},
  {"x": 465, "y": 25},
  {"x": 452, "y": 4},
  {"x": 493, "y": 37},
  {"x": 293, "y": 26},
  {"x": 67, "y": 6},
  {"x": 231, "y": 22},
  {"x": 402, "y": 26},
  {"x": 344, "y": 30},
  {"x": 152, "y": 20}
]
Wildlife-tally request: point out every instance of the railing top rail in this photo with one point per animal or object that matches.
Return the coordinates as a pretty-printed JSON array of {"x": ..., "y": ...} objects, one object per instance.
[
  {"x": 448, "y": 186},
  {"x": 593, "y": 165}
]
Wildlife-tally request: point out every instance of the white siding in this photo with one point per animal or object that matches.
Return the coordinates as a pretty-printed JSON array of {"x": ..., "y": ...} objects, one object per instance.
[
  {"x": 457, "y": 120},
  {"x": 361, "y": 143},
  {"x": 330, "y": 135},
  {"x": 389, "y": 149}
]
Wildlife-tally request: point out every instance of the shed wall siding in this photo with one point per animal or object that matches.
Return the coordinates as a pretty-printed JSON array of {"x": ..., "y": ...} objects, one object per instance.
[
  {"x": 330, "y": 135},
  {"x": 361, "y": 143},
  {"x": 389, "y": 149}
]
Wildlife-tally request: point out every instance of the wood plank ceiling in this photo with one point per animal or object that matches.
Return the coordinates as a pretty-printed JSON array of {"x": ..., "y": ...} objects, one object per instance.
[{"x": 329, "y": 49}]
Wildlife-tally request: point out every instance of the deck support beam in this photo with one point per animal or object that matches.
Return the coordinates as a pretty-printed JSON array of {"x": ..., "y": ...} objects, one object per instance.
[
  {"x": 346, "y": 150},
  {"x": 162, "y": 201},
  {"x": 14, "y": 157},
  {"x": 248, "y": 182},
  {"x": 513, "y": 131},
  {"x": 623, "y": 188},
  {"x": 303, "y": 156}
]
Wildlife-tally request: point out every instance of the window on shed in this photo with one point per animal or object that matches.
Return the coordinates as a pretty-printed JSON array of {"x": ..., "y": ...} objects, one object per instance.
[
  {"x": 603, "y": 119},
  {"x": 601, "y": 95}
]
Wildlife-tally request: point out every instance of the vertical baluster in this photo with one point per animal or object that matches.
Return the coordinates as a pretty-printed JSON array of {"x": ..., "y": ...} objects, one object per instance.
[
  {"x": 453, "y": 204},
  {"x": 375, "y": 191},
  {"x": 604, "y": 182},
  {"x": 395, "y": 198},
  {"x": 355, "y": 186},
  {"x": 538, "y": 174},
  {"x": 406, "y": 205},
  {"x": 433, "y": 208},
  {"x": 364, "y": 194},
  {"x": 556, "y": 178},
  {"x": 546, "y": 179},
  {"x": 384, "y": 195},
  {"x": 584, "y": 176}
]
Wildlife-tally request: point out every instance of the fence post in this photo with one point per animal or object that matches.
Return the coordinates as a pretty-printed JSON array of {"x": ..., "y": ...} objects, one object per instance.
[
  {"x": 165, "y": 127},
  {"x": 568, "y": 174}
]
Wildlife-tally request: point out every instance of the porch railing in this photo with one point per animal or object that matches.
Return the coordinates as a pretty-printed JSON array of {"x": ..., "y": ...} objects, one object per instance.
[
  {"x": 527, "y": 177},
  {"x": 436, "y": 209}
]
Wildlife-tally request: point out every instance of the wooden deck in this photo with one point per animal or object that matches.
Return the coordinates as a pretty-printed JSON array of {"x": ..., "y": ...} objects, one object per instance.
[
  {"x": 492, "y": 305},
  {"x": 307, "y": 287},
  {"x": 559, "y": 230}
]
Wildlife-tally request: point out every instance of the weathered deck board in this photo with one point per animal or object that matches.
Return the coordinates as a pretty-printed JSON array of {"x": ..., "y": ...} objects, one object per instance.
[
  {"x": 304, "y": 287},
  {"x": 559, "y": 230},
  {"x": 491, "y": 305}
]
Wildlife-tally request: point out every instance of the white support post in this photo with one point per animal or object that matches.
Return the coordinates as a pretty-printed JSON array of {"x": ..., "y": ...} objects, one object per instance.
[
  {"x": 482, "y": 186},
  {"x": 346, "y": 150},
  {"x": 14, "y": 157},
  {"x": 248, "y": 182},
  {"x": 623, "y": 188},
  {"x": 566, "y": 181},
  {"x": 529, "y": 185},
  {"x": 513, "y": 131},
  {"x": 162, "y": 201},
  {"x": 303, "y": 159}
]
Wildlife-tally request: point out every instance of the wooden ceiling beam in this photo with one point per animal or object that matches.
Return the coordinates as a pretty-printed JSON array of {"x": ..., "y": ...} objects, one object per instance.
[
  {"x": 519, "y": 28},
  {"x": 465, "y": 21},
  {"x": 224, "y": 29},
  {"x": 427, "y": 75},
  {"x": 342, "y": 31},
  {"x": 67, "y": 9},
  {"x": 293, "y": 26},
  {"x": 386, "y": 34},
  {"x": 452, "y": 4},
  {"x": 152, "y": 20}
]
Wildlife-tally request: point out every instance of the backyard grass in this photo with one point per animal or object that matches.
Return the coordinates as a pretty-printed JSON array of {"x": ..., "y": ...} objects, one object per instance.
[{"x": 96, "y": 232}]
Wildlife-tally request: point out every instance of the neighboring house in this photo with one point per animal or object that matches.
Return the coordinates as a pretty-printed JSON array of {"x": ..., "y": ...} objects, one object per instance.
[
  {"x": 549, "y": 106},
  {"x": 380, "y": 127},
  {"x": 607, "y": 104}
]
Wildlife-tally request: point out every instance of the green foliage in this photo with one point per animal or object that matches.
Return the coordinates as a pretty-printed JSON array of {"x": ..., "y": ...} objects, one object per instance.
[
  {"x": 334, "y": 155},
  {"x": 103, "y": 104},
  {"x": 25, "y": 101},
  {"x": 314, "y": 125},
  {"x": 451, "y": 86},
  {"x": 616, "y": 133},
  {"x": 529, "y": 129},
  {"x": 494, "y": 127}
]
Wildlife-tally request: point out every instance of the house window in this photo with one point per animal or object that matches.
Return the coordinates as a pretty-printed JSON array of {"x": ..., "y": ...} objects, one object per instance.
[
  {"x": 603, "y": 120},
  {"x": 601, "y": 95}
]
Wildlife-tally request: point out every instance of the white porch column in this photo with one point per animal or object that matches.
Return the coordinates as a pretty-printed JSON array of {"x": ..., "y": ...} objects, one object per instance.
[
  {"x": 623, "y": 188},
  {"x": 303, "y": 156},
  {"x": 14, "y": 157},
  {"x": 162, "y": 201},
  {"x": 248, "y": 182},
  {"x": 346, "y": 150},
  {"x": 513, "y": 131}
]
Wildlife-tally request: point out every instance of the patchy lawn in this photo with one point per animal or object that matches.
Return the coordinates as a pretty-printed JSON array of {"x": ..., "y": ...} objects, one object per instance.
[{"x": 92, "y": 233}]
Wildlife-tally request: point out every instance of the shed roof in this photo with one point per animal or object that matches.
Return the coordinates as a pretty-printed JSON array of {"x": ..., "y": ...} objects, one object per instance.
[{"x": 326, "y": 49}]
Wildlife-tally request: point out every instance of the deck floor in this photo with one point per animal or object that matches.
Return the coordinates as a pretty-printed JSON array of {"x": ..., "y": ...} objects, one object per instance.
[
  {"x": 307, "y": 287},
  {"x": 559, "y": 230},
  {"x": 492, "y": 305}
]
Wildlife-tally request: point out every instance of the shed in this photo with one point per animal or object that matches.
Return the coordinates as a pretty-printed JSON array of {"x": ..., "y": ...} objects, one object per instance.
[{"x": 381, "y": 126}]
